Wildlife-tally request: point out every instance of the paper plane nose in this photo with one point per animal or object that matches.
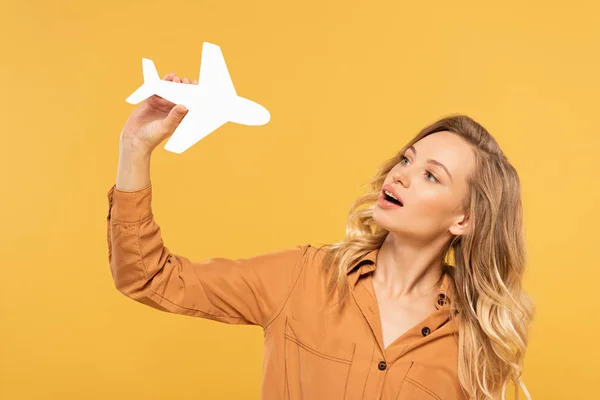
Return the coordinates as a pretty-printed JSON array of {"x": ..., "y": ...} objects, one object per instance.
[{"x": 263, "y": 115}]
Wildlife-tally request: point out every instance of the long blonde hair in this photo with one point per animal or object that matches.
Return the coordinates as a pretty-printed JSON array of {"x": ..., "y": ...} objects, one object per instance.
[{"x": 487, "y": 263}]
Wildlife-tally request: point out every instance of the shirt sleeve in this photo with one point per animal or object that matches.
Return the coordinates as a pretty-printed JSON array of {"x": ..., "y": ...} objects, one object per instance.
[{"x": 237, "y": 291}]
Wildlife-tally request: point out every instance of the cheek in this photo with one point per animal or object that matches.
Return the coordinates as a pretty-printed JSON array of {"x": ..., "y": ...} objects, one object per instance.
[{"x": 432, "y": 204}]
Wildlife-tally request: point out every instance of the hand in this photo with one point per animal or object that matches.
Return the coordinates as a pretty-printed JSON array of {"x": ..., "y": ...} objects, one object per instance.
[{"x": 154, "y": 120}]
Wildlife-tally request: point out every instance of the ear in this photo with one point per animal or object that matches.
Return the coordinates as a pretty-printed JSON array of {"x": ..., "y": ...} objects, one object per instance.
[{"x": 460, "y": 226}]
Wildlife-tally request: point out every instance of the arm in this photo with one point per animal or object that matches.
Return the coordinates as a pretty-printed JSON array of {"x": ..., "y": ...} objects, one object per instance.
[
  {"x": 238, "y": 291},
  {"x": 243, "y": 291}
]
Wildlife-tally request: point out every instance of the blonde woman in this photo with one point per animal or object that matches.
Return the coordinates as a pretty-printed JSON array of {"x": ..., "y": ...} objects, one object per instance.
[{"x": 422, "y": 300}]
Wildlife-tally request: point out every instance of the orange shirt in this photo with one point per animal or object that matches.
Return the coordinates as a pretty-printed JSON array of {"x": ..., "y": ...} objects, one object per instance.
[{"x": 312, "y": 349}]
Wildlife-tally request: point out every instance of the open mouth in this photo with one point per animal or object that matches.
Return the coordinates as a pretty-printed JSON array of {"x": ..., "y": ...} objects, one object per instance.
[{"x": 392, "y": 199}]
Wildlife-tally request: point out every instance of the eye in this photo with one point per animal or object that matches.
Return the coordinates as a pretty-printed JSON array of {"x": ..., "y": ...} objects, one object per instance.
[{"x": 428, "y": 174}]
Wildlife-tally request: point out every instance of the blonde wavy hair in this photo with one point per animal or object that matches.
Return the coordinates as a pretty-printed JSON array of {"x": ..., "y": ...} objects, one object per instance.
[{"x": 487, "y": 263}]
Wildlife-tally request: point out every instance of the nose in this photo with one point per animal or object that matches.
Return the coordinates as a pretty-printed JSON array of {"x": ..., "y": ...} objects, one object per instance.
[{"x": 402, "y": 176}]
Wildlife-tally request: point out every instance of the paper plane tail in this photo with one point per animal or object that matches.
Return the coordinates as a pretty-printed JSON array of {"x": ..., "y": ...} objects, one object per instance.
[
  {"x": 149, "y": 70},
  {"x": 144, "y": 91}
]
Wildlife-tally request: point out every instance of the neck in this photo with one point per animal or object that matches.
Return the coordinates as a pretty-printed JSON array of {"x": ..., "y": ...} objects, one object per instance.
[{"x": 408, "y": 270}]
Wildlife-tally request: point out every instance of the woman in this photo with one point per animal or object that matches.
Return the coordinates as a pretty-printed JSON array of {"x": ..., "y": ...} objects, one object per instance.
[{"x": 423, "y": 299}]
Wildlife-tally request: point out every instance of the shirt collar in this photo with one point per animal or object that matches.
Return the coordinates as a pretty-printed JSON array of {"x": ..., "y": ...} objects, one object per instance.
[{"x": 368, "y": 262}]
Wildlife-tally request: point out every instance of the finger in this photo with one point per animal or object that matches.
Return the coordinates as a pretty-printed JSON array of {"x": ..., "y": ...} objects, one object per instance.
[
  {"x": 176, "y": 79},
  {"x": 169, "y": 76},
  {"x": 195, "y": 82},
  {"x": 170, "y": 123},
  {"x": 186, "y": 80}
]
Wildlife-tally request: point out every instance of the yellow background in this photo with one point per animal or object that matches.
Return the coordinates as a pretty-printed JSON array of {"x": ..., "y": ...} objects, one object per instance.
[{"x": 347, "y": 83}]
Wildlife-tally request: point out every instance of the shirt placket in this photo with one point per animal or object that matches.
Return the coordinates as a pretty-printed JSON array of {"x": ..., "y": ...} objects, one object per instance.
[{"x": 379, "y": 363}]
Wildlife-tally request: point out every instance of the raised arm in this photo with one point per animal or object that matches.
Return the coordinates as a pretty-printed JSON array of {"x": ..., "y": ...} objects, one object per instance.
[
  {"x": 243, "y": 291},
  {"x": 239, "y": 291}
]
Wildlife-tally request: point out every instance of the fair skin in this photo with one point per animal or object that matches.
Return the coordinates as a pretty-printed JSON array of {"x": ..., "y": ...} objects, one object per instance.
[{"x": 409, "y": 262}]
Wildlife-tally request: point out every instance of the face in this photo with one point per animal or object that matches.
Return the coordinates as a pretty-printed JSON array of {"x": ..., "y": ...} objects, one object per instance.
[{"x": 431, "y": 180}]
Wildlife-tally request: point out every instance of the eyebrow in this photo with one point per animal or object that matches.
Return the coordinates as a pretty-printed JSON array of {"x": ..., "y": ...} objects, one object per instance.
[{"x": 432, "y": 162}]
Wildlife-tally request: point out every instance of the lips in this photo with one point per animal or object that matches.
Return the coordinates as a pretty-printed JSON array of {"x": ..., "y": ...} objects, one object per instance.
[{"x": 393, "y": 191}]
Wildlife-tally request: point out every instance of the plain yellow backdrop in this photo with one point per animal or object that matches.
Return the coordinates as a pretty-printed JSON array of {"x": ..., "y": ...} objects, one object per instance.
[{"x": 347, "y": 84}]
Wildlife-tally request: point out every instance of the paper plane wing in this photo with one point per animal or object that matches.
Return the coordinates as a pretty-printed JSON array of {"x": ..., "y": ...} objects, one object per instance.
[
  {"x": 195, "y": 125},
  {"x": 214, "y": 75}
]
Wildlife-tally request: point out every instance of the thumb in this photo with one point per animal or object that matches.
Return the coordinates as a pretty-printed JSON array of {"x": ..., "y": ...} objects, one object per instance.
[{"x": 173, "y": 119}]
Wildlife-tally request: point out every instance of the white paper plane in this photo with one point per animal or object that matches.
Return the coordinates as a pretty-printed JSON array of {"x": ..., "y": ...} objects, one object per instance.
[{"x": 211, "y": 103}]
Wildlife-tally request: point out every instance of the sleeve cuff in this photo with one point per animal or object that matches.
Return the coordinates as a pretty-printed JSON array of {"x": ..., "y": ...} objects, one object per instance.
[{"x": 129, "y": 206}]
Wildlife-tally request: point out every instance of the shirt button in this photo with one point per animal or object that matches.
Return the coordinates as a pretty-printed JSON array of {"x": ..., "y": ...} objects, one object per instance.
[
  {"x": 382, "y": 365},
  {"x": 425, "y": 331}
]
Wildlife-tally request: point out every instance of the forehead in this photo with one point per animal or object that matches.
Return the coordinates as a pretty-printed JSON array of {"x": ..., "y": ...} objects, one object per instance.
[{"x": 448, "y": 148}]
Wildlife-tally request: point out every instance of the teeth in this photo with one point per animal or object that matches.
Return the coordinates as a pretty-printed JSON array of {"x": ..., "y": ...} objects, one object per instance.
[{"x": 390, "y": 194}]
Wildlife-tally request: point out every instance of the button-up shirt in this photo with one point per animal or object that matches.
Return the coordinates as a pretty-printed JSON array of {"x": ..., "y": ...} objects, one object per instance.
[{"x": 314, "y": 347}]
